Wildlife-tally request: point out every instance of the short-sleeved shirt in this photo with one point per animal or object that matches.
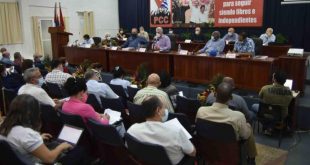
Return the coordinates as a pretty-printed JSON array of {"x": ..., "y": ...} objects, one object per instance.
[
  {"x": 100, "y": 89},
  {"x": 57, "y": 77},
  {"x": 267, "y": 39},
  {"x": 217, "y": 45},
  {"x": 278, "y": 95},
  {"x": 247, "y": 46},
  {"x": 174, "y": 141},
  {"x": 25, "y": 140},
  {"x": 163, "y": 43},
  {"x": 122, "y": 82},
  {"x": 233, "y": 37}
]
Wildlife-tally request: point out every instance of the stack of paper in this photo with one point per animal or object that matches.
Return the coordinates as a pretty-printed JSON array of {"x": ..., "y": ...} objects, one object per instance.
[
  {"x": 175, "y": 124},
  {"x": 115, "y": 116}
]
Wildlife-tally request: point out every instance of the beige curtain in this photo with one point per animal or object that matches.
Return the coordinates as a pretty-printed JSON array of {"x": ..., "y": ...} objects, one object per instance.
[
  {"x": 10, "y": 24},
  {"x": 89, "y": 27},
  {"x": 66, "y": 20},
  {"x": 37, "y": 35}
]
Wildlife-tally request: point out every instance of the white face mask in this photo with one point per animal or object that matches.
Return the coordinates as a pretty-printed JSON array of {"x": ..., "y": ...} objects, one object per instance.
[
  {"x": 40, "y": 81},
  {"x": 197, "y": 32},
  {"x": 212, "y": 37},
  {"x": 171, "y": 32},
  {"x": 230, "y": 33},
  {"x": 158, "y": 35},
  {"x": 165, "y": 116}
]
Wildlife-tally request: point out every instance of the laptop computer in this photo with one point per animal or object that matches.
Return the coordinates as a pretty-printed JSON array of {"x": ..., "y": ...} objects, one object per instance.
[{"x": 289, "y": 83}]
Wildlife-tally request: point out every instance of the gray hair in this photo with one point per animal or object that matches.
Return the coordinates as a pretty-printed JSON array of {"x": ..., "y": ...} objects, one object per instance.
[
  {"x": 159, "y": 29},
  {"x": 89, "y": 74},
  {"x": 29, "y": 74}
]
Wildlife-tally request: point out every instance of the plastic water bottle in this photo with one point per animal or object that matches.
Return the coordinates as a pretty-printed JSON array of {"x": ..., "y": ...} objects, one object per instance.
[{"x": 179, "y": 48}]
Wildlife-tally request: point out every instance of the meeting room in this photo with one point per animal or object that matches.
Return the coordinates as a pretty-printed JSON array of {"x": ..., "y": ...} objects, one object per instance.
[{"x": 154, "y": 82}]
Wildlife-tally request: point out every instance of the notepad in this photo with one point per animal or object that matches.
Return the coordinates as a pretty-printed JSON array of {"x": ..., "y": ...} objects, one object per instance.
[
  {"x": 175, "y": 124},
  {"x": 188, "y": 41},
  {"x": 115, "y": 116}
]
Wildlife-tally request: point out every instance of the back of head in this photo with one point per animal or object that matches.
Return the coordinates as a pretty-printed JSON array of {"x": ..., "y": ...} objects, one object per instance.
[
  {"x": 150, "y": 104},
  {"x": 27, "y": 63},
  {"x": 24, "y": 111},
  {"x": 75, "y": 85},
  {"x": 89, "y": 74},
  {"x": 86, "y": 37},
  {"x": 223, "y": 93},
  {"x": 118, "y": 72},
  {"x": 230, "y": 81},
  {"x": 2, "y": 50},
  {"x": 279, "y": 77},
  {"x": 63, "y": 60},
  {"x": 55, "y": 63},
  {"x": 29, "y": 74},
  {"x": 17, "y": 56},
  {"x": 244, "y": 35},
  {"x": 153, "y": 80}
]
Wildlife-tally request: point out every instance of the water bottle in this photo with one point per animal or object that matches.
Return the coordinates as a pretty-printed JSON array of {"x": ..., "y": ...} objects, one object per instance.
[{"x": 179, "y": 48}]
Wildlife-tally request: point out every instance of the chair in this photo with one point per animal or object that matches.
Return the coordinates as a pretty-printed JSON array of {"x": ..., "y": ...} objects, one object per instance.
[
  {"x": 132, "y": 92},
  {"x": 258, "y": 45},
  {"x": 136, "y": 114},
  {"x": 119, "y": 90},
  {"x": 217, "y": 143},
  {"x": 188, "y": 106},
  {"x": 271, "y": 115},
  {"x": 55, "y": 91},
  {"x": 7, "y": 95},
  {"x": 92, "y": 100},
  {"x": 11, "y": 156},
  {"x": 183, "y": 119},
  {"x": 114, "y": 104},
  {"x": 110, "y": 144},
  {"x": 147, "y": 153},
  {"x": 51, "y": 122}
]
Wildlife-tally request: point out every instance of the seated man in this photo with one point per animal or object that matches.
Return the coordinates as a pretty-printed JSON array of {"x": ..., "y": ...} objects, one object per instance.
[
  {"x": 268, "y": 37},
  {"x": 18, "y": 61},
  {"x": 87, "y": 41},
  {"x": 34, "y": 81},
  {"x": 244, "y": 44},
  {"x": 154, "y": 131},
  {"x": 236, "y": 101},
  {"x": 134, "y": 41},
  {"x": 143, "y": 33},
  {"x": 162, "y": 42},
  {"x": 6, "y": 59},
  {"x": 153, "y": 82},
  {"x": 277, "y": 94},
  {"x": 39, "y": 64},
  {"x": 57, "y": 76},
  {"x": 108, "y": 41},
  {"x": 10, "y": 80},
  {"x": 215, "y": 44},
  {"x": 231, "y": 36},
  {"x": 97, "y": 88},
  {"x": 219, "y": 112},
  {"x": 198, "y": 36}
]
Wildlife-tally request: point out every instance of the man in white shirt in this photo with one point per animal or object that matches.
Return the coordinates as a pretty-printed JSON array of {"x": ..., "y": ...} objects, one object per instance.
[
  {"x": 97, "y": 88},
  {"x": 195, "y": 11},
  {"x": 203, "y": 16},
  {"x": 118, "y": 78},
  {"x": 34, "y": 81},
  {"x": 87, "y": 41},
  {"x": 154, "y": 131},
  {"x": 268, "y": 37},
  {"x": 220, "y": 113},
  {"x": 57, "y": 76}
]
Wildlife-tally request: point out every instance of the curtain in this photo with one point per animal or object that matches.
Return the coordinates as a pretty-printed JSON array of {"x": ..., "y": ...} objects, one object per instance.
[
  {"x": 10, "y": 24},
  {"x": 37, "y": 35},
  {"x": 89, "y": 23},
  {"x": 66, "y": 20}
]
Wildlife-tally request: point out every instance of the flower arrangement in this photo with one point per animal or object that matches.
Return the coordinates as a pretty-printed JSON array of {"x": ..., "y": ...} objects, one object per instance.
[
  {"x": 211, "y": 87},
  {"x": 81, "y": 69},
  {"x": 140, "y": 76}
]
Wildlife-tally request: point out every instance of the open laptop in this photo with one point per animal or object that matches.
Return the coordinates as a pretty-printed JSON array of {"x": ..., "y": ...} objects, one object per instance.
[{"x": 289, "y": 83}]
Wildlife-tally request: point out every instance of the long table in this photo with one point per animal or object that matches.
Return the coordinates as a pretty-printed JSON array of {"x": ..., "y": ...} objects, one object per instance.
[{"x": 248, "y": 73}]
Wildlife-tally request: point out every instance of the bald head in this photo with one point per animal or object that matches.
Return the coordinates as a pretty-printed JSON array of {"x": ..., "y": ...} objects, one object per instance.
[
  {"x": 229, "y": 81},
  {"x": 231, "y": 30},
  {"x": 153, "y": 80},
  {"x": 223, "y": 93}
]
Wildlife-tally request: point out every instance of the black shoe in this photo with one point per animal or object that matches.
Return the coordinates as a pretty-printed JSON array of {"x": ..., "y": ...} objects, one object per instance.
[{"x": 251, "y": 161}]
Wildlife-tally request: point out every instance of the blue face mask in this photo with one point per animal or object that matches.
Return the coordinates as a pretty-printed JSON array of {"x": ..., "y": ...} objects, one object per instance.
[
  {"x": 165, "y": 116},
  {"x": 40, "y": 81}
]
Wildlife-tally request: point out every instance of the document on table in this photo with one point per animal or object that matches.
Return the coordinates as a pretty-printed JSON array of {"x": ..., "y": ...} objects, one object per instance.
[
  {"x": 115, "y": 116},
  {"x": 175, "y": 124}
]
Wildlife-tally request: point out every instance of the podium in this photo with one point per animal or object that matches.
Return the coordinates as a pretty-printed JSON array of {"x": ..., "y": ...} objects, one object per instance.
[{"x": 60, "y": 39}]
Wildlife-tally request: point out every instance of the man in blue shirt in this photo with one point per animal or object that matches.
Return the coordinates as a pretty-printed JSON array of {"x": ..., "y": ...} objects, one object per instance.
[
  {"x": 215, "y": 44},
  {"x": 134, "y": 41},
  {"x": 231, "y": 36},
  {"x": 268, "y": 37},
  {"x": 244, "y": 44},
  {"x": 6, "y": 59}
]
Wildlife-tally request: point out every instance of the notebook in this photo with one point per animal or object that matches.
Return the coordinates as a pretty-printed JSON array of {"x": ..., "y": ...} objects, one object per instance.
[
  {"x": 115, "y": 116},
  {"x": 289, "y": 83},
  {"x": 70, "y": 134}
]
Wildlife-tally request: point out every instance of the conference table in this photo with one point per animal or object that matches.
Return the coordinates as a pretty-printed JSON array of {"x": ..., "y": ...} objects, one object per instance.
[{"x": 249, "y": 74}]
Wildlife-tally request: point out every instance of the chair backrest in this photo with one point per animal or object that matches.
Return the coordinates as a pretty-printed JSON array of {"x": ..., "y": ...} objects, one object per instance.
[
  {"x": 56, "y": 91},
  {"x": 132, "y": 92},
  {"x": 217, "y": 142},
  {"x": 74, "y": 120},
  {"x": 105, "y": 133},
  {"x": 92, "y": 100},
  {"x": 183, "y": 119},
  {"x": 136, "y": 114},
  {"x": 173, "y": 41},
  {"x": 269, "y": 112},
  {"x": 258, "y": 45},
  {"x": 10, "y": 156},
  {"x": 114, "y": 104},
  {"x": 146, "y": 152},
  {"x": 188, "y": 107},
  {"x": 97, "y": 40},
  {"x": 119, "y": 90},
  {"x": 8, "y": 96},
  {"x": 51, "y": 122}
]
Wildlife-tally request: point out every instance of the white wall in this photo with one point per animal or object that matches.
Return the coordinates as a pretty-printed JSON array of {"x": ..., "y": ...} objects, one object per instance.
[{"x": 105, "y": 17}]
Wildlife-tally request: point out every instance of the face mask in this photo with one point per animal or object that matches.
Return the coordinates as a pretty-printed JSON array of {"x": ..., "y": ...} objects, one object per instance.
[
  {"x": 230, "y": 33},
  {"x": 197, "y": 32},
  {"x": 212, "y": 38},
  {"x": 40, "y": 81},
  {"x": 157, "y": 35},
  {"x": 121, "y": 32},
  {"x": 134, "y": 35},
  {"x": 165, "y": 116},
  {"x": 170, "y": 32},
  {"x": 66, "y": 64}
]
